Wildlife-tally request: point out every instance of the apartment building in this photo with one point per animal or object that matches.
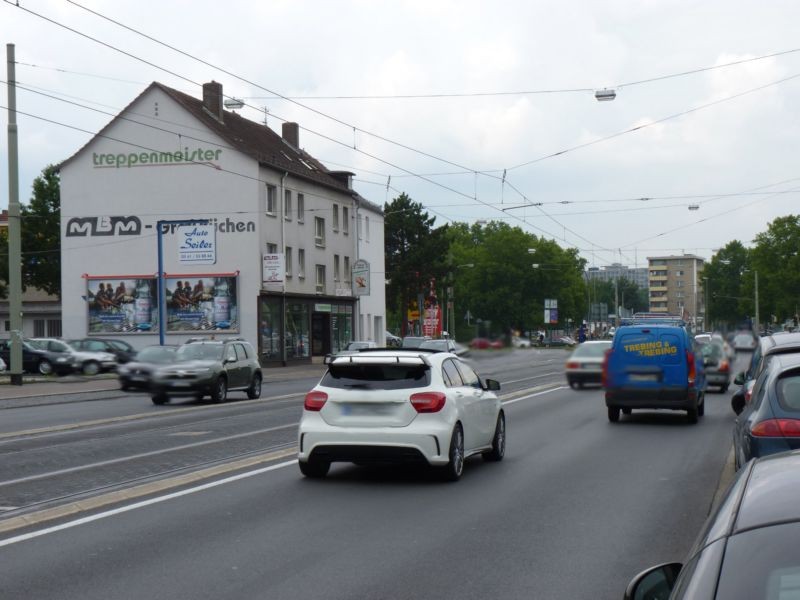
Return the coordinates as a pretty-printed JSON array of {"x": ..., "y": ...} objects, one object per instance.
[{"x": 676, "y": 286}]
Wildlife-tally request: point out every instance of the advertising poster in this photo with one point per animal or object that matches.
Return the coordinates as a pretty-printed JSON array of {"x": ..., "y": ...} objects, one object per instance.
[
  {"x": 202, "y": 303},
  {"x": 432, "y": 324},
  {"x": 119, "y": 305}
]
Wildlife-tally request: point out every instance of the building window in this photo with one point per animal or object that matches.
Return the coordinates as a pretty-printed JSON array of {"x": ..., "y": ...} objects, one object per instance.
[
  {"x": 336, "y": 217},
  {"x": 288, "y": 261},
  {"x": 320, "y": 279},
  {"x": 336, "y": 271},
  {"x": 319, "y": 231},
  {"x": 287, "y": 205},
  {"x": 347, "y": 269},
  {"x": 345, "y": 220},
  {"x": 301, "y": 208},
  {"x": 53, "y": 327},
  {"x": 272, "y": 248},
  {"x": 679, "y": 294},
  {"x": 679, "y": 283},
  {"x": 272, "y": 195},
  {"x": 366, "y": 228},
  {"x": 301, "y": 263},
  {"x": 38, "y": 328},
  {"x": 8, "y": 325},
  {"x": 679, "y": 273}
]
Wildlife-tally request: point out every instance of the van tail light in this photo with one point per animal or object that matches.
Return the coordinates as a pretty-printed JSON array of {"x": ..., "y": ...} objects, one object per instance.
[
  {"x": 604, "y": 378},
  {"x": 573, "y": 365},
  {"x": 315, "y": 401},
  {"x": 777, "y": 428},
  {"x": 724, "y": 366},
  {"x": 692, "y": 367},
  {"x": 428, "y": 402}
]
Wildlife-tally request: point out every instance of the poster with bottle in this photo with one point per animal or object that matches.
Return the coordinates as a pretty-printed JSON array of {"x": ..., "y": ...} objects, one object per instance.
[
  {"x": 121, "y": 305},
  {"x": 205, "y": 302}
]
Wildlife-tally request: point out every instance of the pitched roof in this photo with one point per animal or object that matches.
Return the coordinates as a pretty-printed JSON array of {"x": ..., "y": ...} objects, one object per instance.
[{"x": 251, "y": 138}]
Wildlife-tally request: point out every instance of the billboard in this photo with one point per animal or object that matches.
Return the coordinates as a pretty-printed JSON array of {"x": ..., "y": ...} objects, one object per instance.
[
  {"x": 202, "y": 303},
  {"x": 122, "y": 305}
]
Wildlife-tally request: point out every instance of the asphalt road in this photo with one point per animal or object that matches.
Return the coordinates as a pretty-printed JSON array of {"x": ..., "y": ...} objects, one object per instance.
[{"x": 578, "y": 506}]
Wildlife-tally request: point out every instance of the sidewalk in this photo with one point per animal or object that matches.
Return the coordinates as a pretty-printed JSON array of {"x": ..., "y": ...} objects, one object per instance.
[{"x": 76, "y": 387}]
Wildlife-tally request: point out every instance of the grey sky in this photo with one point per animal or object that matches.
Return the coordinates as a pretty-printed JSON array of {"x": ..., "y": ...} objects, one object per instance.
[{"x": 360, "y": 48}]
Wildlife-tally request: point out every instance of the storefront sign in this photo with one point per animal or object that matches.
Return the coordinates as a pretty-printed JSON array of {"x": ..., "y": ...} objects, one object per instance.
[
  {"x": 199, "y": 155},
  {"x": 361, "y": 278},
  {"x": 132, "y": 225},
  {"x": 197, "y": 244},
  {"x": 210, "y": 303},
  {"x": 272, "y": 268},
  {"x": 322, "y": 308},
  {"x": 119, "y": 305}
]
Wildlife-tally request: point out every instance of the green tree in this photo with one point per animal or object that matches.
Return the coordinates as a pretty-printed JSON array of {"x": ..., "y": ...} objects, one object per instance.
[
  {"x": 415, "y": 254},
  {"x": 776, "y": 258},
  {"x": 40, "y": 235},
  {"x": 728, "y": 303}
]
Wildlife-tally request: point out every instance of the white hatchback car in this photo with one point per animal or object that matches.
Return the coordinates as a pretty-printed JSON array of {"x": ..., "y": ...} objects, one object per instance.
[{"x": 400, "y": 406}]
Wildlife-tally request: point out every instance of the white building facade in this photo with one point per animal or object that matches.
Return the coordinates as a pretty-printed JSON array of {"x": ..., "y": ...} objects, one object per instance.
[{"x": 234, "y": 200}]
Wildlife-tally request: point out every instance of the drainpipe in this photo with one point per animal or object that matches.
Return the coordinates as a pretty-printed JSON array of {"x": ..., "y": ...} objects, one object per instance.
[
  {"x": 282, "y": 250},
  {"x": 357, "y": 324}
]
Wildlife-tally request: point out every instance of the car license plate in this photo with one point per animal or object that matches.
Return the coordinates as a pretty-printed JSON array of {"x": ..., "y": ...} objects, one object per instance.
[
  {"x": 180, "y": 384},
  {"x": 644, "y": 377},
  {"x": 360, "y": 410}
]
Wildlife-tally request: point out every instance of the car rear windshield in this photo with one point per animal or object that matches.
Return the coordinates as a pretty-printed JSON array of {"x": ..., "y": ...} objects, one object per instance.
[
  {"x": 591, "y": 350},
  {"x": 789, "y": 391},
  {"x": 743, "y": 338},
  {"x": 156, "y": 354},
  {"x": 377, "y": 377}
]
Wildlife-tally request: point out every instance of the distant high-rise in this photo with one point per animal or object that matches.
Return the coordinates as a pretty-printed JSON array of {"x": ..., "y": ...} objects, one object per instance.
[{"x": 676, "y": 286}]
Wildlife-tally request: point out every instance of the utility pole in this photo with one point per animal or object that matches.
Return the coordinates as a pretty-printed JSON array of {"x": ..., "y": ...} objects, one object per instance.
[{"x": 14, "y": 227}]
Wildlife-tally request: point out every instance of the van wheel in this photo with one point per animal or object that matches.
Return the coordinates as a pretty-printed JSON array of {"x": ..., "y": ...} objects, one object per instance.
[
  {"x": 626, "y": 411},
  {"x": 613, "y": 414},
  {"x": 691, "y": 415},
  {"x": 701, "y": 408}
]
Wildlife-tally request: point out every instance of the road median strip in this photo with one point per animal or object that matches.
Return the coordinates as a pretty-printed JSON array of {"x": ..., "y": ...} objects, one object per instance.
[{"x": 138, "y": 491}]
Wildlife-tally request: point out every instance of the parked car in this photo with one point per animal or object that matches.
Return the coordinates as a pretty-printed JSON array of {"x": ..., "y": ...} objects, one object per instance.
[
  {"x": 778, "y": 343},
  {"x": 654, "y": 366},
  {"x": 747, "y": 548},
  {"x": 399, "y": 406},
  {"x": 717, "y": 364},
  {"x": 37, "y": 360},
  {"x": 209, "y": 367},
  {"x": 88, "y": 363},
  {"x": 480, "y": 344},
  {"x": 392, "y": 341},
  {"x": 520, "y": 342},
  {"x": 585, "y": 364},
  {"x": 770, "y": 423},
  {"x": 2, "y": 365},
  {"x": 122, "y": 350},
  {"x": 138, "y": 373}
]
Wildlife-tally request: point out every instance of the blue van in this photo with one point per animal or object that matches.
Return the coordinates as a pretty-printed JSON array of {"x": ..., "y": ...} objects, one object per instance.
[{"x": 651, "y": 365}]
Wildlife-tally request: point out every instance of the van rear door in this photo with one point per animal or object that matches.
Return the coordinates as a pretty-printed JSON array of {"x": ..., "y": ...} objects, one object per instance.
[{"x": 651, "y": 358}]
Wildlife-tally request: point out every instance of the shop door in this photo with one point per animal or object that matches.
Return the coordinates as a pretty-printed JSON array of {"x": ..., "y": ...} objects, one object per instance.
[{"x": 320, "y": 334}]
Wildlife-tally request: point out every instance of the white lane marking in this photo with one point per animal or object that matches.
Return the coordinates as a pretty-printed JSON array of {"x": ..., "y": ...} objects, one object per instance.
[
  {"x": 534, "y": 377},
  {"x": 121, "y": 459},
  {"x": 142, "y": 504},
  {"x": 563, "y": 387}
]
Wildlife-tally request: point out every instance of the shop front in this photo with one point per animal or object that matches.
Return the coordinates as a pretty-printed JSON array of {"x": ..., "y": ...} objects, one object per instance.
[{"x": 303, "y": 327}]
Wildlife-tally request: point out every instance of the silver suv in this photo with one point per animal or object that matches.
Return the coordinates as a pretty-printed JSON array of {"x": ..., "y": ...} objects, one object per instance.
[{"x": 209, "y": 367}]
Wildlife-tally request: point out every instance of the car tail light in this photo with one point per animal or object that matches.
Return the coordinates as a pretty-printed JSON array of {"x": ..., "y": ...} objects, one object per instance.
[
  {"x": 428, "y": 402},
  {"x": 604, "y": 378},
  {"x": 692, "y": 367},
  {"x": 723, "y": 366},
  {"x": 315, "y": 400},
  {"x": 777, "y": 428},
  {"x": 573, "y": 365}
]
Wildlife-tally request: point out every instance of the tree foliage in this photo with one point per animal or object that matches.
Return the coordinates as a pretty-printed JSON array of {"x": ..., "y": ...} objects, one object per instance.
[
  {"x": 728, "y": 302},
  {"x": 776, "y": 258}
]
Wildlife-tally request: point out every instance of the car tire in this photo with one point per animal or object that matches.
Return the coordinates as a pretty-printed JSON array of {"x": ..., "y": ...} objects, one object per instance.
[
  {"x": 613, "y": 414},
  {"x": 90, "y": 368},
  {"x": 314, "y": 468},
  {"x": 498, "y": 450},
  {"x": 453, "y": 470},
  {"x": 254, "y": 391},
  {"x": 691, "y": 415},
  {"x": 159, "y": 399},
  {"x": 45, "y": 367},
  {"x": 573, "y": 384},
  {"x": 124, "y": 387},
  {"x": 723, "y": 389},
  {"x": 219, "y": 391},
  {"x": 627, "y": 411}
]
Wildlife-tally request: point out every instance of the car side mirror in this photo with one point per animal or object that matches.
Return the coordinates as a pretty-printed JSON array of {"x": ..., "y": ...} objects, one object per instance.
[
  {"x": 739, "y": 379},
  {"x": 655, "y": 583},
  {"x": 492, "y": 385},
  {"x": 229, "y": 359}
]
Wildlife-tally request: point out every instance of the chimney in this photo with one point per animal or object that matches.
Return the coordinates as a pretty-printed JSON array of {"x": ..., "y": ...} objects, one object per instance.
[
  {"x": 212, "y": 99},
  {"x": 291, "y": 134}
]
